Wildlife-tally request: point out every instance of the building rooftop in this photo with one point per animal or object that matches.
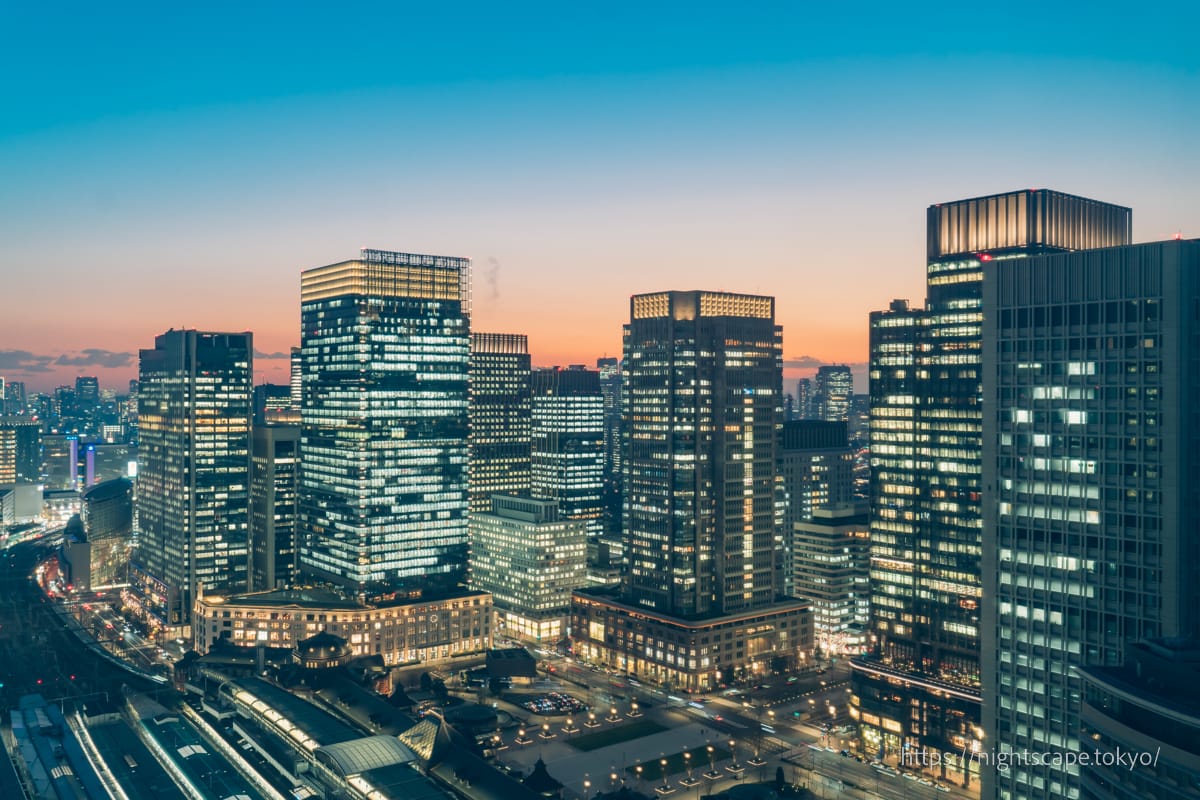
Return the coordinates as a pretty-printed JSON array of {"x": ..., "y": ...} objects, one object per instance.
[
  {"x": 360, "y": 755},
  {"x": 512, "y": 662},
  {"x": 330, "y": 599},
  {"x": 610, "y": 595},
  {"x": 320, "y": 726},
  {"x": 109, "y": 490}
]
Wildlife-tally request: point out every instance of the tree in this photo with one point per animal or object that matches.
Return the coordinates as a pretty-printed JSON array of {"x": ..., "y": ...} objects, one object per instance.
[
  {"x": 426, "y": 682},
  {"x": 780, "y": 780},
  {"x": 439, "y": 691}
]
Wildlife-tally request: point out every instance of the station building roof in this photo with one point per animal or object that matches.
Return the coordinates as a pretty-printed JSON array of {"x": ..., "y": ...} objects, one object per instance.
[{"x": 361, "y": 755}]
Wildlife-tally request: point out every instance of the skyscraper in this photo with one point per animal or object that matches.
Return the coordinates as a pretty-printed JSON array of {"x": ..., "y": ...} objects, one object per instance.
[
  {"x": 60, "y": 461},
  {"x": 383, "y": 491},
  {"x": 703, "y": 403},
  {"x": 87, "y": 394},
  {"x": 805, "y": 399},
  {"x": 20, "y": 450},
  {"x": 14, "y": 398},
  {"x": 273, "y": 405},
  {"x": 295, "y": 376},
  {"x": 834, "y": 388},
  {"x": 274, "y": 477},
  {"x": 193, "y": 469},
  {"x": 107, "y": 516},
  {"x": 816, "y": 469},
  {"x": 1091, "y": 527},
  {"x": 704, "y": 382},
  {"x": 610, "y": 390},
  {"x": 500, "y": 416},
  {"x": 568, "y": 443},
  {"x": 918, "y": 690}
]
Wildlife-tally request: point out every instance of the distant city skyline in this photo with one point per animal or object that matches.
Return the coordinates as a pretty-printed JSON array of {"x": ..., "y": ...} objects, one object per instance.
[{"x": 578, "y": 156}]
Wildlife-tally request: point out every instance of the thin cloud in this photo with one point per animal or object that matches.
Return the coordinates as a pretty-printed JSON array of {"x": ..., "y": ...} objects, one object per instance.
[
  {"x": 803, "y": 362},
  {"x": 811, "y": 362},
  {"x": 24, "y": 361},
  {"x": 95, "y": 357},
  {"x": 270, "y": 356}
]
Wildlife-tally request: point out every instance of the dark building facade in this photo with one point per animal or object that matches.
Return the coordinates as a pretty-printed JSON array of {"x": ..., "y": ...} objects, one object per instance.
[
  {"x": 273, "y": 405},
  {"x": 15, "y": 401},
  {"x": 107, "y": 516},
  {"x": 816, "y": 466},
  {"x": 1090, "y": 462},
  {"x": 501, "y": 417},
  {"x": 816, "y": 469},
  {"x": 193, "y": 469},
  {"x": 1148, "y": 706},
  {"x": 384, "y": 360},
  {"x": 274, "y": 478},
  {"x": 610, "y": 390},
  {"x": 703, "y": 395},
  {"x": 703, "y": 400},
  {"x": 919, "y": 687},
  {"x": 60, "y": 461}
]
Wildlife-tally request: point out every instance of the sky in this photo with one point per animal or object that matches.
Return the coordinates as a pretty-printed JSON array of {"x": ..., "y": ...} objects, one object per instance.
[{"x": 177, "y": 165}]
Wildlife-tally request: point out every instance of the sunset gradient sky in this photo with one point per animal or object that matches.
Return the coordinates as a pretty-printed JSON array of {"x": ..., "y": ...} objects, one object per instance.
[{"x": 166, "y": 166}]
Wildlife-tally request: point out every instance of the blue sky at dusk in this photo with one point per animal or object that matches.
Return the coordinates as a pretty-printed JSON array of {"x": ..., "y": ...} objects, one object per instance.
[{"x": 168, "y": 166}]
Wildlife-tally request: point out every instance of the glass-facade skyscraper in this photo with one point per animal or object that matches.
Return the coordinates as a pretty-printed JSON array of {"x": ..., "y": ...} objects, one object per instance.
[
  {"x": 568, "y": 443},
  {"x": 194, "y": 406},
  {"x": 20, "y": 450},
  {"x": 834, "y": 388},
  {"x": 500, "y": 416},
  {"x": 918, "y": 688},
  {"x": 385, "y": 349}
]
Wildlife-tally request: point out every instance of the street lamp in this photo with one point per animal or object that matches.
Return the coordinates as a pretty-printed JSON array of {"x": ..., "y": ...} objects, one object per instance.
[
  {"x": 712, "y": 760},
  {"x": 587, "y": 785},
  {"x": 733, "y": 752},
  {"x": 664, "y": 768},
  {"x": 687, "y": 759},
  {"x": 638, "y": 770},
  {"x": 612, "y": 780}
]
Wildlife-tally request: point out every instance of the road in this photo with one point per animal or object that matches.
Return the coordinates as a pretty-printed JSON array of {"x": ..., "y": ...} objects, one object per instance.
[{"x": 805, "y": 717}]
